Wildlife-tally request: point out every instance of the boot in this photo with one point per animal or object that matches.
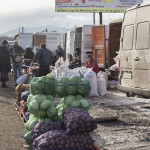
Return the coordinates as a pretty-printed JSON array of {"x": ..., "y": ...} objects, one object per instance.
[{"x": 4, "y": 85}]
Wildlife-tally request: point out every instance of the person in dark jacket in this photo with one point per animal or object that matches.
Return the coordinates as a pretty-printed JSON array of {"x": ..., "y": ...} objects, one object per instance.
[
  {"x": 17, "y": 53},
  {"x": 29, "y": 53},
  {"x": 5, "y": 66},
  {"x": 76, "y": 59},
  {"x": 59, "y": 52},
  {"x": 91, "y": 63},
  {"x": 45, "y": 58}
]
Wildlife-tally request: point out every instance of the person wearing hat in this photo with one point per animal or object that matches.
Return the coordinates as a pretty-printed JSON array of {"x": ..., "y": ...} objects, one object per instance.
[
  {"x": 29, "y": 53},
  {"x": 76, "y": 59},
  {"x": 91, "y": 63},
  {"x": 59, "y": 52},
  {"x": 17, "y": 53},
  {"x": 45, "y": 58},
  {"x": 5, "y": 66}
]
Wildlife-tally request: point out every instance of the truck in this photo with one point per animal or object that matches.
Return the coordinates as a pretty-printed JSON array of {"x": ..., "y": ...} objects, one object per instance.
[
  {"x": 100, "y": 50},
  {"x": 115, "y": 27},
  {"x": 83, "y": 40},
  {"x": 51, "y": 39},
  {"x": 24, "y": 39},
  {"x": 134, "y": 51},
  {"x": 70, "y": 38},
  {"x": 106, "y": 42}
]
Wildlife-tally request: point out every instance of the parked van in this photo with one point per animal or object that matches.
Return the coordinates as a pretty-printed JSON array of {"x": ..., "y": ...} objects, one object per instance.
[
  {"x": 86, "y": 43},
  {"x": 135, "y": 51},
  {"x": 24, "y": 39},
  {"x": 81, "y": 38},
  {"x": 52, "y": 40},
  {"x": 70, "y": 38}
]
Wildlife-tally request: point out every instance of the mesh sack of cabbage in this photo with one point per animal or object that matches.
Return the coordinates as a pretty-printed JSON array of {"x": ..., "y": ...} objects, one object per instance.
[
  {"x": 72, "y": 101},
  {"x": 59, "y": 140},
  {"x": 42, "y": 106},
  {"x": 28, "y": 129},
  {"x": 43, "y": 127},
  {"x": 78, "y": 120},
  {"x": 43, "y": 85},
  {"x": 72, "y": 86}
]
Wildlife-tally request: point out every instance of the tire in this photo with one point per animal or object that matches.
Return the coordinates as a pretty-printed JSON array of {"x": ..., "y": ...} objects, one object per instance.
[{"x": 128, "y": 94}]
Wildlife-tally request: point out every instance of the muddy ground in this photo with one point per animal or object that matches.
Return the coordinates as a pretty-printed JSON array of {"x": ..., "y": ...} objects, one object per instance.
[{"x": 130, "y": 132}]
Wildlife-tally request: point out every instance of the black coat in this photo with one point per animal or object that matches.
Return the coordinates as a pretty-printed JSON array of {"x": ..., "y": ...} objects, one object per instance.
[{"x": 4, "y": 59}]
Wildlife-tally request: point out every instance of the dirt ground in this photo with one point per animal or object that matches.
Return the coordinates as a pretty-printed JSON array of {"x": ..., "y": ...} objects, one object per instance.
[
  {"x": 11, "y": 127},
  {"x": 130, "y": 132}
]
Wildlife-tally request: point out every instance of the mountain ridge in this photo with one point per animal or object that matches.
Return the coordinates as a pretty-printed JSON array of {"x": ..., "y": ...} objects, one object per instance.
[{"x": 49, "y": 28}]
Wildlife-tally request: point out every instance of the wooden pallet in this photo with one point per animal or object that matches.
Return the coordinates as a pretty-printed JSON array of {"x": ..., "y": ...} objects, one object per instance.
[{"x": 18, "y": 109}]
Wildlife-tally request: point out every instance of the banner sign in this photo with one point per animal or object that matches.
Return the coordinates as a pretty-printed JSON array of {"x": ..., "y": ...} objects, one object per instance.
[{"x": 89, "y": 6}]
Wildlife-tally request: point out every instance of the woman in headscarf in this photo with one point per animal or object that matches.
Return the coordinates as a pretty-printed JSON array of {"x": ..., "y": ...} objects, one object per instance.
[
  {"x": 91, "y": 63},
  {"x": 5, "y": 66}
]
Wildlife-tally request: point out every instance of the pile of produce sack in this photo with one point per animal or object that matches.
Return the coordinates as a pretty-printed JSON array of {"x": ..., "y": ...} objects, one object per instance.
[
  {"x": 70, "y": 134},
  {"x": 48, "y": 122},
  {"x": 59, "y": 140}
]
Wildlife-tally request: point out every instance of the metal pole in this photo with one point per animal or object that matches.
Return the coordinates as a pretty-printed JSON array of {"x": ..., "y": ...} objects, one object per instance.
[
  {"x": 100, "y": 18},
  {"x": 93, "y": 18}
]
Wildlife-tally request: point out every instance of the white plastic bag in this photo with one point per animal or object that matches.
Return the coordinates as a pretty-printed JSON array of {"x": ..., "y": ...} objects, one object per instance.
[
  {"x": 22, "y": 79},
  {"x": 63, "y": 68},
  {"x": 91, "y": 76},
  {"x": 58, "y": 72},
  {"x": 60, "y": 62},
  {"x": 101, "y": 86},
  {"x": 70, "y": 73}
]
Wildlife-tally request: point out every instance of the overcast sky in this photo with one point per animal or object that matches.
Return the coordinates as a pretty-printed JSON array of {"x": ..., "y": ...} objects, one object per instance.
[{"x": 30, "y": 13}]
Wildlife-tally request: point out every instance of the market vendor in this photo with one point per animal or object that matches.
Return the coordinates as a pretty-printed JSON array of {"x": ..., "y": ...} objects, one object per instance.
[
  {"x": 91, "y": 63},
  {"x": 45, "y": 58},
  {"x": 76, "y": 59}
]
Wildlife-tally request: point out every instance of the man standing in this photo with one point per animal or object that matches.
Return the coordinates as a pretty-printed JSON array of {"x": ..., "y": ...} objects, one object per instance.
[
  {"x": 60, "y": 52},
  {"x": 17, "y": 53},
  {"x": 45, "y": 58}
]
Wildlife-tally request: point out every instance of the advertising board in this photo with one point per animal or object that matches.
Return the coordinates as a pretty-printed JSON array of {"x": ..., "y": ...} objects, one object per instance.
[{"x": 89, "y": 6}]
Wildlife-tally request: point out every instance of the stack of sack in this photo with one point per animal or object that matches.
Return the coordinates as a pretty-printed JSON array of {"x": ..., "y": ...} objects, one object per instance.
[{"x": 71, "y": 134}]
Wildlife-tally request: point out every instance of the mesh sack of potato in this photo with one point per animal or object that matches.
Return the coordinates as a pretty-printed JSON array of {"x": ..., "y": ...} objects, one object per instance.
[
  {"x": 78, "y": 120},
  {"x": 43, "y": 127},
  {"x": 59, "y": 140}
]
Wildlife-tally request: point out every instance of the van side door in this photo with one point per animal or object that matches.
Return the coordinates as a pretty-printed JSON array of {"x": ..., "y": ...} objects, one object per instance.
[{"x": 141, "y": 58}]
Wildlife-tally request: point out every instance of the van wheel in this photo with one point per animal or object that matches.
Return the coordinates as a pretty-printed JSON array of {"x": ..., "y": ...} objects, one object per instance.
[{"x": 128, "y": 94}]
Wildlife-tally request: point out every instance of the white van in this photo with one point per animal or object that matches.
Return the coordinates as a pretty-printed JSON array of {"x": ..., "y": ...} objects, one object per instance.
[
  {"x": 52, "y": 40},
  {"x": 70, "y": 38},
  {"x": 24, "y": 39},
  {"x": 135, "y": 51}
]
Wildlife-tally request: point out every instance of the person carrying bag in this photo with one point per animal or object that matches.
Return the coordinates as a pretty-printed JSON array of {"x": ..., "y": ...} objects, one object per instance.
[{"x": 17, "y": 53}]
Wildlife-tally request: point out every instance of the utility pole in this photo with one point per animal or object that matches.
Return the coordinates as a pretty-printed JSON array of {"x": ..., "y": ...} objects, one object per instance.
[
  {"x": 93, "y": 18},
  {"x": 19, "y": 29},
  {"x": 100, "y": 18},
  {"x": 22, "y": 29}
]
